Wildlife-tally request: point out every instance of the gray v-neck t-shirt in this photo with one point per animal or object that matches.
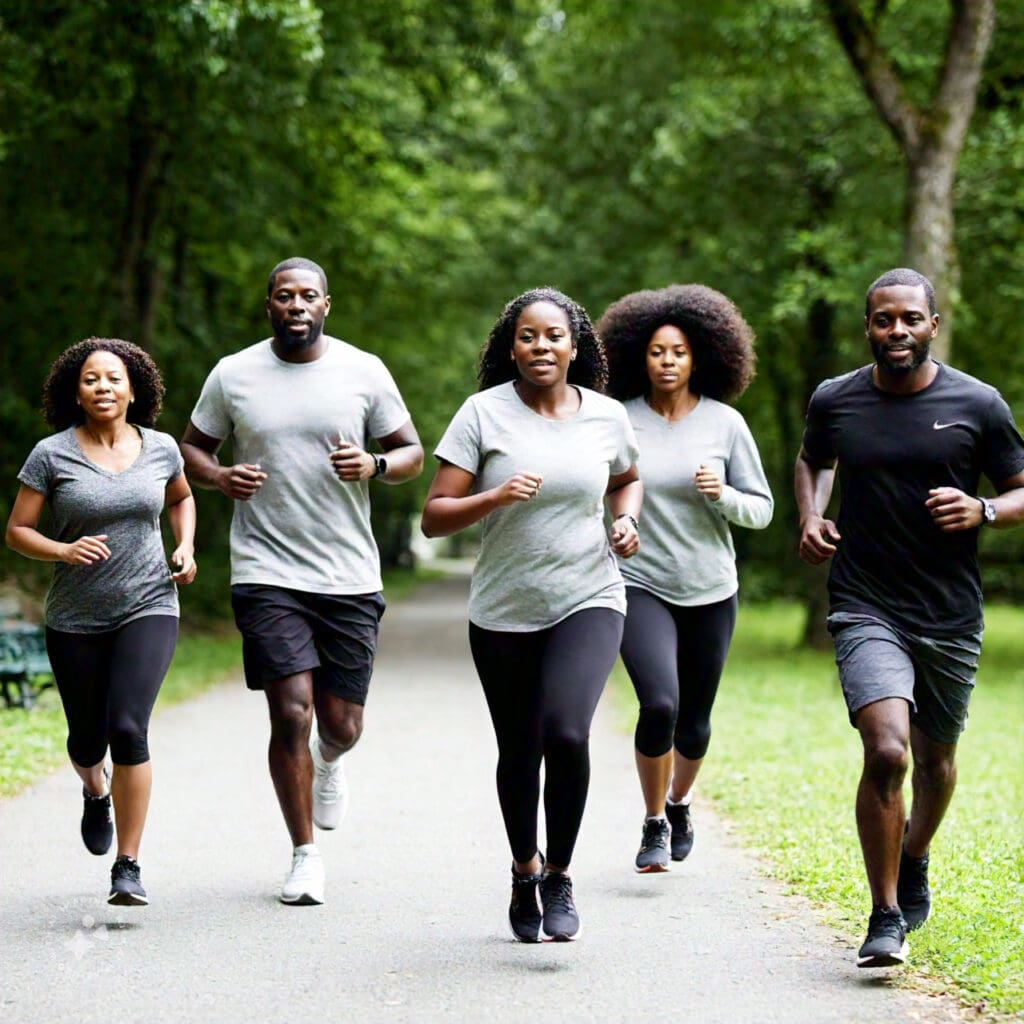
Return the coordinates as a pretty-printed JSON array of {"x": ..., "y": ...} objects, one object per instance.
[
  {"x": 87, "y": 500},
  {"x": 544, "y": 559}
]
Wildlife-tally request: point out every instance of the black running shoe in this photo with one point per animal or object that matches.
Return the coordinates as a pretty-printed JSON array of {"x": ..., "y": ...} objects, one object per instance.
[
  {"x": 524, "y": 915},
  {"x": 97, "y": 825},
  {"x": 561, "y": 922},
  {"x": 653, "y": 853},
  {"x": 886, "y": 944},
  {"x": 912, "y": 892},
  {"x": 126, "y": 884},
  {"x": 682, "y": 830}
]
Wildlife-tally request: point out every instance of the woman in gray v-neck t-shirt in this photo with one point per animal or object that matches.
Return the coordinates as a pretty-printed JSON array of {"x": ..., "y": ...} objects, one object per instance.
[
  {"x": 537, "y": 454},
  {"x": 112, "y": 607}
]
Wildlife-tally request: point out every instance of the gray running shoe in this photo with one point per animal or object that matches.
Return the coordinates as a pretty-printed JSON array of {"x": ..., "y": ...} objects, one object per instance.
[
  {"x": 653, "y": 854},
  {"x": 126, "y": 884},
  {"x": 682, "y": 830},
  {"x": 886, "y": 944},
  {"x": 561, "y": 922},
  {"x": 524, "y": 914},
  {"x": 912, "y": 891},
  {"x": 97, "y": 825}
]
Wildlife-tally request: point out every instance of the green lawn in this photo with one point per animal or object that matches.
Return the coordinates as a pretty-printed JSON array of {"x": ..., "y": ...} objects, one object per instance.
[{"x": 784, "y": 765}]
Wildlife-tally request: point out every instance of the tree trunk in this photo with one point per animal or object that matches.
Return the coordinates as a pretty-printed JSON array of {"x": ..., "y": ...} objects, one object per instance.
[
  {"x": 928, "y": 243},
  {"x": 930, "y": 137}
]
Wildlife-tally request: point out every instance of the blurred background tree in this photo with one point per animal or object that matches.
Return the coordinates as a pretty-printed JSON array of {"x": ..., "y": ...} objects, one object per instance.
[{"x": 157, "y": 159}]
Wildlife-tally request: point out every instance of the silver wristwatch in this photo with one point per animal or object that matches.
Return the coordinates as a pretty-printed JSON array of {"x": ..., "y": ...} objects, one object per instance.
[
  {"x": 988, "y": 511},
  {"x": 381, "y": 464}
]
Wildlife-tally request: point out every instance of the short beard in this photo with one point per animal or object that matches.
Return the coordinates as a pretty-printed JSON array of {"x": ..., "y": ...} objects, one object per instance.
[
  {"x": 920, "y": 354},
  {"x": 291, "y": 344}
]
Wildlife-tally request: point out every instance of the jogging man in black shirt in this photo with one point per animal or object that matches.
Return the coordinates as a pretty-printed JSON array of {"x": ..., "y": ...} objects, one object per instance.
[{"x": 911, "y": 438}]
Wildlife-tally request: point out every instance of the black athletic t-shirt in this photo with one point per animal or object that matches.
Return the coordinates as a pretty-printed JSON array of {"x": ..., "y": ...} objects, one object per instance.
[{"x": 892, "y": 560}]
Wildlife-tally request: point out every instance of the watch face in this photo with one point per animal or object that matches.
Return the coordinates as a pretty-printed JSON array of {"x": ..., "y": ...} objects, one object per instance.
[{"x": 989, "y": 511}]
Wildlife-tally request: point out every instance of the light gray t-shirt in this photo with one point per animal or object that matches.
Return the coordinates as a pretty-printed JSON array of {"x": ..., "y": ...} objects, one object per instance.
[
  {"x": 544, "y": 559},
  {"x": 686, "y": 554},
  {"x": 304, "y": 529},
  {"x": 87, "y": 500}
]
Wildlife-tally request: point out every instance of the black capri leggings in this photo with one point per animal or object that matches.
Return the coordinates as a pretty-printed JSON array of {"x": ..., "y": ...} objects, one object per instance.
[
  {"x": 108, "y": 684},
  {"x": 674, "y": 655},
  {"x": 542, "y": 690}
]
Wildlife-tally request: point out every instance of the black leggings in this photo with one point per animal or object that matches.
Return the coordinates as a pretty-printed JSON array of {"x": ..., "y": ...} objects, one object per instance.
[
  {"x": 674, "y": 655},
  {"x": 542, "y": 690},
  {"x": 108, "y": 684}
]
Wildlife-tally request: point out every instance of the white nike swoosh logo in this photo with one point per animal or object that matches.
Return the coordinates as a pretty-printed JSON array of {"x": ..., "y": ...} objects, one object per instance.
[{"x": 942, "y": 426}]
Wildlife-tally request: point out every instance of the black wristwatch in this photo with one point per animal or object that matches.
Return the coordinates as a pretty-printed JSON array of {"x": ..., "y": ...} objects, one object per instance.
[
  {"x": 381, "y": 466},
  {"x": 988, "y": 512}
]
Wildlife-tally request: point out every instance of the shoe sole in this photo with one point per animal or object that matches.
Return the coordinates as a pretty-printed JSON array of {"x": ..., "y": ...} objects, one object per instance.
[
  {"x": 652, "y": 869},
  {"x": 325, "y": 828},
  {"x": 561, "y": 936},
  {"x": 127, "y": 899},
  {"x": 305, "y": 900},
  {"x": 885, "y": 959},
  {"x": 525, "y": 941}
]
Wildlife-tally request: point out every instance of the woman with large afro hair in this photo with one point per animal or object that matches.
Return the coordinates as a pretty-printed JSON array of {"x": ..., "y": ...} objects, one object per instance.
[
  {"x": 112, "y": 606},
  {"x": 676, "y": 356},
  {"x": 537, "y": 455}
]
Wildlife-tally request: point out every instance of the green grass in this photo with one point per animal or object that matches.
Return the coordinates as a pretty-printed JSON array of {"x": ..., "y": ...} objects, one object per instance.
[
  {"x": 784, "y": 765},
  {"x": 32, "y": 742}
]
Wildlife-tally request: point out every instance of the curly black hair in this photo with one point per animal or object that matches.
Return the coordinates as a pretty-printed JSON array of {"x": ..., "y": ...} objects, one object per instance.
[
  {"x": 721, "y": 341},
  {"x": 590, "y": 367},
  {"x": 61, "y": 388}
]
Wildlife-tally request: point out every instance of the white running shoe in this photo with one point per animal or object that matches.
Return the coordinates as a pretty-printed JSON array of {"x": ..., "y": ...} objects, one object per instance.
[
  {"x": 304, "y": 886},
  {"x": 330, "y": 788}
]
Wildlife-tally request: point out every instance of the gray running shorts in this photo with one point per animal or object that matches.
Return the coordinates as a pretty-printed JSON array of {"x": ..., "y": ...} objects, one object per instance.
[{"x": 934, "y": 676}]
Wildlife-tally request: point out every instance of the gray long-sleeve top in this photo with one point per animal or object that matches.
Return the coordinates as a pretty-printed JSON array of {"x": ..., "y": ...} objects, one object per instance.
[{"x": 686, "y": 554}]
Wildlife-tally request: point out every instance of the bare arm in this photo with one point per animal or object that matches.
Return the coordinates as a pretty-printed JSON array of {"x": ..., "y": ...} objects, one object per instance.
[
  {"x": 203, "y": 468},
  {"x": 181, "y": 513},
  {"x": 624, "y": 497},
  {"x": 812, "y": 482},
  {"x": 404, "y": 458},
  {"x": 23, "y": 537},
  {"x": 953, "y": 510},
  {"x": 450, "y": 507}
]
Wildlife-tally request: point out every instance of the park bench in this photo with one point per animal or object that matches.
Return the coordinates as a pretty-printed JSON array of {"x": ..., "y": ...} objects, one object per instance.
[{"x": 24, "y": 666}]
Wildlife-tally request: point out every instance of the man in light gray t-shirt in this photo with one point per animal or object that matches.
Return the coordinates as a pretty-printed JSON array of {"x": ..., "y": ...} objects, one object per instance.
[{"x": 301, "y": 410}]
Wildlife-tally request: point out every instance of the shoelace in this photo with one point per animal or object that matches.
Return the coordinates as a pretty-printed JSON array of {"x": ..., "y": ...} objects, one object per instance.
[
  {"x": 556, "y": 891},
  {"x": 655, "y": 834},
  {"x": 127, "y": 869},
  {"x": 886, "y": 922},
  {"x": 327, "y": 781}
]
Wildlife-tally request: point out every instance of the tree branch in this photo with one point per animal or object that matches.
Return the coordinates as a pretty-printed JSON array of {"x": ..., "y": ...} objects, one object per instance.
[
  {"x": 876, "y": 72},
  {"x": 970, "y": 34}
]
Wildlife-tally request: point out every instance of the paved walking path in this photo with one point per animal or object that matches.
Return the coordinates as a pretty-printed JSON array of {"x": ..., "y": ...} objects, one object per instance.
[{"x": 414, "y": 927}]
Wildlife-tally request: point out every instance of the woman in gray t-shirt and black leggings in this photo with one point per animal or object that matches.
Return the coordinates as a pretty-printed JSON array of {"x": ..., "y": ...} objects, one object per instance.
[
  {"x": 675, "y": 356},
  {"x": 536, "y": 454},
  {"x": 112, "y": 608}
]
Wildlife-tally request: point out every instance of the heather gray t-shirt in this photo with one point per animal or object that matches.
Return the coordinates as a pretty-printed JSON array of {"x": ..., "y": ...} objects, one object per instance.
[
  {"x": 686, "y": 554},
  {"x": 544, "y": 559},
  {"x": 87, "y": 500},
  {"x": 304, "y": 529}
]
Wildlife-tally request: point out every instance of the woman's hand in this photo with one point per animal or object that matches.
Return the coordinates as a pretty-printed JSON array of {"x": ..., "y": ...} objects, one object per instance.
[
  {"x": 708, "y": 483},
  {"x": 521, "y": 487},
  {"x": 185, "y": 560},
  {"x": 86, "y": 551},
  {"x": 624, "y": 538}
]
